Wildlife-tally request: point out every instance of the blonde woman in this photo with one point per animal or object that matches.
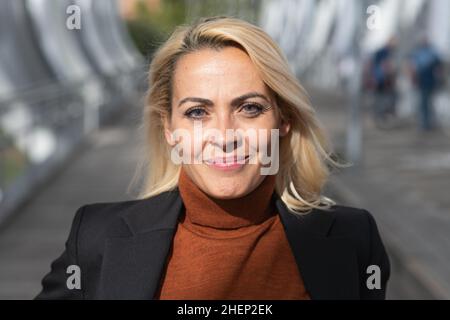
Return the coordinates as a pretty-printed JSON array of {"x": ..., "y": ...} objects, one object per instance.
[{"x": 232, "y": 205}]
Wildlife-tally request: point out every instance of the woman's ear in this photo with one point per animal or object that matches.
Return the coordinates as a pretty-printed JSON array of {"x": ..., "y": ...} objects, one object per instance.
[
  {"x": 168, "y": 133},
  {"x": 284, "y": 128}
]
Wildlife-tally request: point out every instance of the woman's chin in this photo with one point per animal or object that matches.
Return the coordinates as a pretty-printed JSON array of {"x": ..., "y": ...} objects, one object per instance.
[
  {"x": 225, "y": 193},
  {"x": 227, "y": 185}
]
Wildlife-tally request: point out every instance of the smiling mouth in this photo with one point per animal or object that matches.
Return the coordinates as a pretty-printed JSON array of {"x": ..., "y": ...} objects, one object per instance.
[{"x": 227, "y": 161}]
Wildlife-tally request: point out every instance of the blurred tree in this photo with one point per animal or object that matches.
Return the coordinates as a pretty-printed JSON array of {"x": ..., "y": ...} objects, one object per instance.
[
  {"x": 151, "y": 25},
  {"x": 244, "y": 9},
  {"x": 150, "y": 28},
  {"x": 13, "y": 162}
]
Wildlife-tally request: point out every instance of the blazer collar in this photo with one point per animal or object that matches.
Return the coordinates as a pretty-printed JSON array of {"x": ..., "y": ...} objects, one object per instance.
[{"x": 138, "y": 247}]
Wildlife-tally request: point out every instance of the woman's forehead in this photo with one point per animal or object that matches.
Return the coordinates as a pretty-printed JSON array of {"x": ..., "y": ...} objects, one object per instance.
[{"x": 226, "y": 69}]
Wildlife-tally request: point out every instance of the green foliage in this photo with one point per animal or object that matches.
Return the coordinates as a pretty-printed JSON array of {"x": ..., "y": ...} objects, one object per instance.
[
  {"x": 13, "y": 162},
  {"x": 146, "y": 37},
  {"x": 150, "y": 29}
]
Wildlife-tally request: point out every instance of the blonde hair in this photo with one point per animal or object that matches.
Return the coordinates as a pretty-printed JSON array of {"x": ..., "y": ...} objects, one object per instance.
[{"x": 304, "y": 152}]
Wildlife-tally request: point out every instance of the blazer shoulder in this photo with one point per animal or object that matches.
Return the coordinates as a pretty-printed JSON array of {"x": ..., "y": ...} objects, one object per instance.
[
  {"x": 351, "y": 220},
  {"x": 106, "y": 218},
  {"x": 100, "y": 213},
  {"x": 360, "y": 226},
  {"x": 96, "y": 219}
]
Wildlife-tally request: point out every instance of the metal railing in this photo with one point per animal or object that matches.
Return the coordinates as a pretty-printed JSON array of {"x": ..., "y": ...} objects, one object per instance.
[{"x": 40, "y": 127}]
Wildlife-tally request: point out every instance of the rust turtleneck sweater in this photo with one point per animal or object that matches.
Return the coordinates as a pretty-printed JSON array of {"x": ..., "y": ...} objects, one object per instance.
[{"x": 230, "y": 249}]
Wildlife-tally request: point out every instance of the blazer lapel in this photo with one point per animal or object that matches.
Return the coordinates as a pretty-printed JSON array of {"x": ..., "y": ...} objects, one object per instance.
[
  {"x": 328, "y": 266},
  {"x": 133, "y": 263}
]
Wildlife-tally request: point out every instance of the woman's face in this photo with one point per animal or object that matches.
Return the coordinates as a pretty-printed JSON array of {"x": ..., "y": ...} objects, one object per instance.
[{"x": 221, "y": 110}]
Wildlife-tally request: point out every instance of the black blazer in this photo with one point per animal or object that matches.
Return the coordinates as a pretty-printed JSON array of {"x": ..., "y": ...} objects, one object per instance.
[{"x": 121, "y": 249}]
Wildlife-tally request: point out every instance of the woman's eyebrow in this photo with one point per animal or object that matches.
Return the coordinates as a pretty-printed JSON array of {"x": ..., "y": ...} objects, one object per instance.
[
  {"x": 196, "y": 99},
  {"x": 240, "y": 99},
  {"x": 236, "y": 101}
]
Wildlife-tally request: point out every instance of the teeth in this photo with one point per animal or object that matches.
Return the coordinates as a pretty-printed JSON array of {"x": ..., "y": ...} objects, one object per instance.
[{"x": 225, "y": 161}]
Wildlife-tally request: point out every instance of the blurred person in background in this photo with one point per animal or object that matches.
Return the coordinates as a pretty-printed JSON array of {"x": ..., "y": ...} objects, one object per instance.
[
  {"x": 426, "y": 71},
  {"x": 381, "y": 75}
]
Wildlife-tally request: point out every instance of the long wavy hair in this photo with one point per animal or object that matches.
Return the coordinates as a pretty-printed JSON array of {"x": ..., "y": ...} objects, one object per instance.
[{"x": 305, "y": 152}]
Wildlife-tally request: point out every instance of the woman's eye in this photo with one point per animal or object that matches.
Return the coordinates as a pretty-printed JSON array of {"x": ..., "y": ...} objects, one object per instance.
[
  {"x": 195, "y": 113},
  {"x": 252, "y": 109}
]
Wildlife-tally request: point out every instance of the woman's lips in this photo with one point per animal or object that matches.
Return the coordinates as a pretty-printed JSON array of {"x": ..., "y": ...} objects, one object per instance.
[{"x": 229, "y": 163}]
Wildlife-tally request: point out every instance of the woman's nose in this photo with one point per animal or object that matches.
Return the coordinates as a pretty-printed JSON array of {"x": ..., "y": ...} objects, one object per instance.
[{"x": 227, "y": 139}]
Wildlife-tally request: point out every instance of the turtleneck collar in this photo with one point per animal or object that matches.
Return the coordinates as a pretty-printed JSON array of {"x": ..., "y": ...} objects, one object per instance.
[{"x": 204, "y": 210}]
